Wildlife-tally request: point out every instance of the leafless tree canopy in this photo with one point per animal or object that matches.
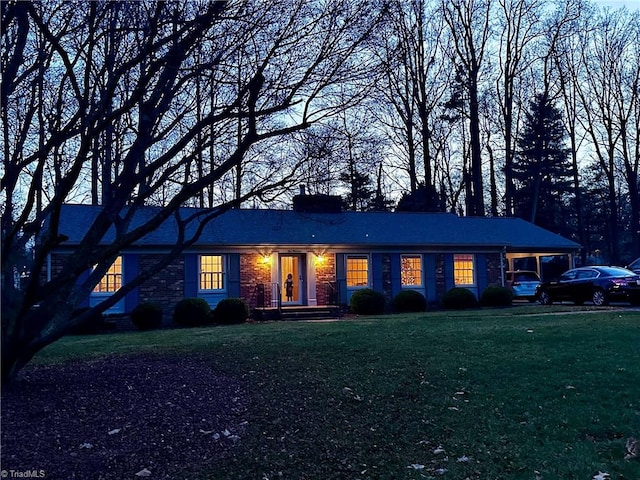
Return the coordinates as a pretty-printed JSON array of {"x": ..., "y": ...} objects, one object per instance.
[
  {"x": 125, "y": 104},
  {"x": 230, "y": 103}
]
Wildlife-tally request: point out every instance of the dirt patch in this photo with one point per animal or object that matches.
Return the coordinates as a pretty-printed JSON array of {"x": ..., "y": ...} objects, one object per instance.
[{"x": 121, "y": 416}]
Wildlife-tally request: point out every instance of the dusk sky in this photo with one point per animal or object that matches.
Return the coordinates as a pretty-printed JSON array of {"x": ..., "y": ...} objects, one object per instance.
[{"x": 630, "y": 4}]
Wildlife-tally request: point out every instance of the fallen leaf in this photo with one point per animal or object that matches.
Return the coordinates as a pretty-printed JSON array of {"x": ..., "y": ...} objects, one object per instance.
[
  {"x": 206, "y": 432},
  {"x": 143, "y": 473},
  {"x": 416, "y": 466},
  {"x": 463, "y": 458},
  {"x": 86, "y": 445},
  {"x": 441, "y": 471},
  {"x": 601, "y": 476},
  {"x": 438, "y": 450},
  {"x": 633, "y": 448},
  {"x": 114, "y": 431}
]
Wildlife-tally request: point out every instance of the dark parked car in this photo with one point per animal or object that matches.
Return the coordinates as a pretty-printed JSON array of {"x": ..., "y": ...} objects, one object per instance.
[
  {"x": 634, "y": 266},
  {"x": 599, "y": 285},
  {"x": 523, "y": 284}
]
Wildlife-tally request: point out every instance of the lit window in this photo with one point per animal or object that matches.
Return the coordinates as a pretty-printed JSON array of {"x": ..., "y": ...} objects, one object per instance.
[
  {"x": 211, "y": 272},
  {"x": 411, "y": 270},
  {"x": 463, "y": 269},
  {"x": 357, "y": 271},
  {"x": 112, "y": 280}
]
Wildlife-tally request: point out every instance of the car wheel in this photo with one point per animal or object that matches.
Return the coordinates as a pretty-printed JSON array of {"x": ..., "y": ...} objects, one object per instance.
[
  {"x": 599, "y": 298},
  {"x": 544, "y": 298}
]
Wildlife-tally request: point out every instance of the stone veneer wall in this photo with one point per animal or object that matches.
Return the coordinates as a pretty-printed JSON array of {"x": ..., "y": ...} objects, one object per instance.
[
  {"x": 441, "y": 287},
  {"x": 325, "y": 275},
  {"x": 166, "y": 288},
  {"x": 494, "y": 276},
  {"x": 387, "y": 283},
  {"x": 254, "y": 271}
]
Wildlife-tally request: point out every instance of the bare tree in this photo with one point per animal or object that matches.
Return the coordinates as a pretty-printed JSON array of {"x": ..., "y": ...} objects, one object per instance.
[
  {"x": 469, "y": 29},
  {"x": 415, "y": 74},
  {"x": 609, "y": 95},
  {"x": 568, "y": 71},
  {"x": 520, "y": 28},
  {"x": 304, "y": 62}
]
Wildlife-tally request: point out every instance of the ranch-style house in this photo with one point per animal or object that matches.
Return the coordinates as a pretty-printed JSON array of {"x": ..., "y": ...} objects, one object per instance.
[{"x": 329, "y": 253}]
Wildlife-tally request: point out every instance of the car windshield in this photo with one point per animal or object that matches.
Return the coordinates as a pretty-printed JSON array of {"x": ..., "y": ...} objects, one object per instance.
[
  {"x": 615, "y": 272},
  {"x": 526, "y": 277}
]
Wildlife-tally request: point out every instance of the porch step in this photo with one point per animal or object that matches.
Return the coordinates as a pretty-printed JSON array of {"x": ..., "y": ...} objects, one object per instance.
[{"x": 323, "y": 312}]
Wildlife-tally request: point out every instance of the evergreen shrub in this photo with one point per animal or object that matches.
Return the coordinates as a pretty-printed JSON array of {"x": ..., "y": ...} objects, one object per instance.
[
  {"x": 192, "y": 312},
  {"x": 367, "y": 301},
  {"x": 496, "y": 296},
  {"x": 459, "y": 298},
  {"x": 230, "y": 311},
  {"x": 147, "y": 316},
  {"x": 93, "y": 324},
  {"x": 408, "y": 301}
]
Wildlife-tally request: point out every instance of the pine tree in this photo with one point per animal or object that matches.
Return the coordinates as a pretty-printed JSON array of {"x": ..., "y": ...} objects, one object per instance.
[{"x": 542, "y": 169}]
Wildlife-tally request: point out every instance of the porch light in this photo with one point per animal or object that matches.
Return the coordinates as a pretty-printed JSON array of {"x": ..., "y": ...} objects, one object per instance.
[
  {"x": 320, "y": 259},
  {"x": 266, "y": 259}
]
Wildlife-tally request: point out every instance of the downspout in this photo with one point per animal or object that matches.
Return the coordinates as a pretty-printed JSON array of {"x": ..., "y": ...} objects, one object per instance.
[
  {"x": 502, "y": 255},
  {"x": 49, "y": 275}
]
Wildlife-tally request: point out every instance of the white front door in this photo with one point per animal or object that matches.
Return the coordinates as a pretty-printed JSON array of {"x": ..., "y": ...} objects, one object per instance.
[{"x": 291, "y": 279}]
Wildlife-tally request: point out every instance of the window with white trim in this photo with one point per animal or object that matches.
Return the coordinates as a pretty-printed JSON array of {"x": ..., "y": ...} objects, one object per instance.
[
  {"x": 411, "y": 270},
  {"x": 463, "y": 269},
  {"x": 357, "y": 271},
  {"x": 212, "y": 272},
  {"x": 112, "y": 280}
]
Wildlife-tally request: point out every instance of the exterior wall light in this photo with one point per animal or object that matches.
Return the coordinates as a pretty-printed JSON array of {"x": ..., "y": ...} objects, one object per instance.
[{"x": 266, "y": 259}]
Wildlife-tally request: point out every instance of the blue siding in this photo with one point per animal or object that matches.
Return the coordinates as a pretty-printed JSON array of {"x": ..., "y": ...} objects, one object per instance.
[
  {"x": 233, "y": 278},
  {"x": 81, "y": 279},
  {"x": 190, "y": 275},
  {"x": 482, "y": 278},
  {"x": 430, "y": 277},
  {"x": 131, "y": 269},
  {"x": 396, "y": 271},
  {"x": 375, "y": 270},
  {"x": 449, "y": 280}
]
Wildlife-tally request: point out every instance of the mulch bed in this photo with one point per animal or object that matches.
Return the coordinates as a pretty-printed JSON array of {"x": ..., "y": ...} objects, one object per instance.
[{"x": 132, "y": 417}]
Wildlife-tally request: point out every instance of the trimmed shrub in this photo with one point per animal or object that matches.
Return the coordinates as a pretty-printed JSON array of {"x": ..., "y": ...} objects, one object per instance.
[
  {"x": 459, "y": 298},
  {"x": 409, "y": 301},
  {"x": 230, "y": 311},
  {"x": 367, "y": 302},
  {"x": 147, "y": 316},
  {"x": 192, "y": 312},
  {"x": 496, "y": 296},
  {"x": 93, "y": 324}
]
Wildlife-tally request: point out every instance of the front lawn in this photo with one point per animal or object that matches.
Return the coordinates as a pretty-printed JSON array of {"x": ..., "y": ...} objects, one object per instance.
[{"x": 513, "y": 393}]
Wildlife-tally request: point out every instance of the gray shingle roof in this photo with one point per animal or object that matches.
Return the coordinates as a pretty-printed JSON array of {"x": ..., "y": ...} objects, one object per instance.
[{"x": 250, "y": 227}]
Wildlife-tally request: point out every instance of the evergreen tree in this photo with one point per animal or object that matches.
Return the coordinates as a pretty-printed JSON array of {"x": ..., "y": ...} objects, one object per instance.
[
  {"x": 360, "y": 190},
  {"x": 425, "y": 199},
  {"x": 542, "y": 170}
]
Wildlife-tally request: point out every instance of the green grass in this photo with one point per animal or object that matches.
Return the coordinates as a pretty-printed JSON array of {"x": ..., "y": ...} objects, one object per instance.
[{"x": 511, "y": 390}]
